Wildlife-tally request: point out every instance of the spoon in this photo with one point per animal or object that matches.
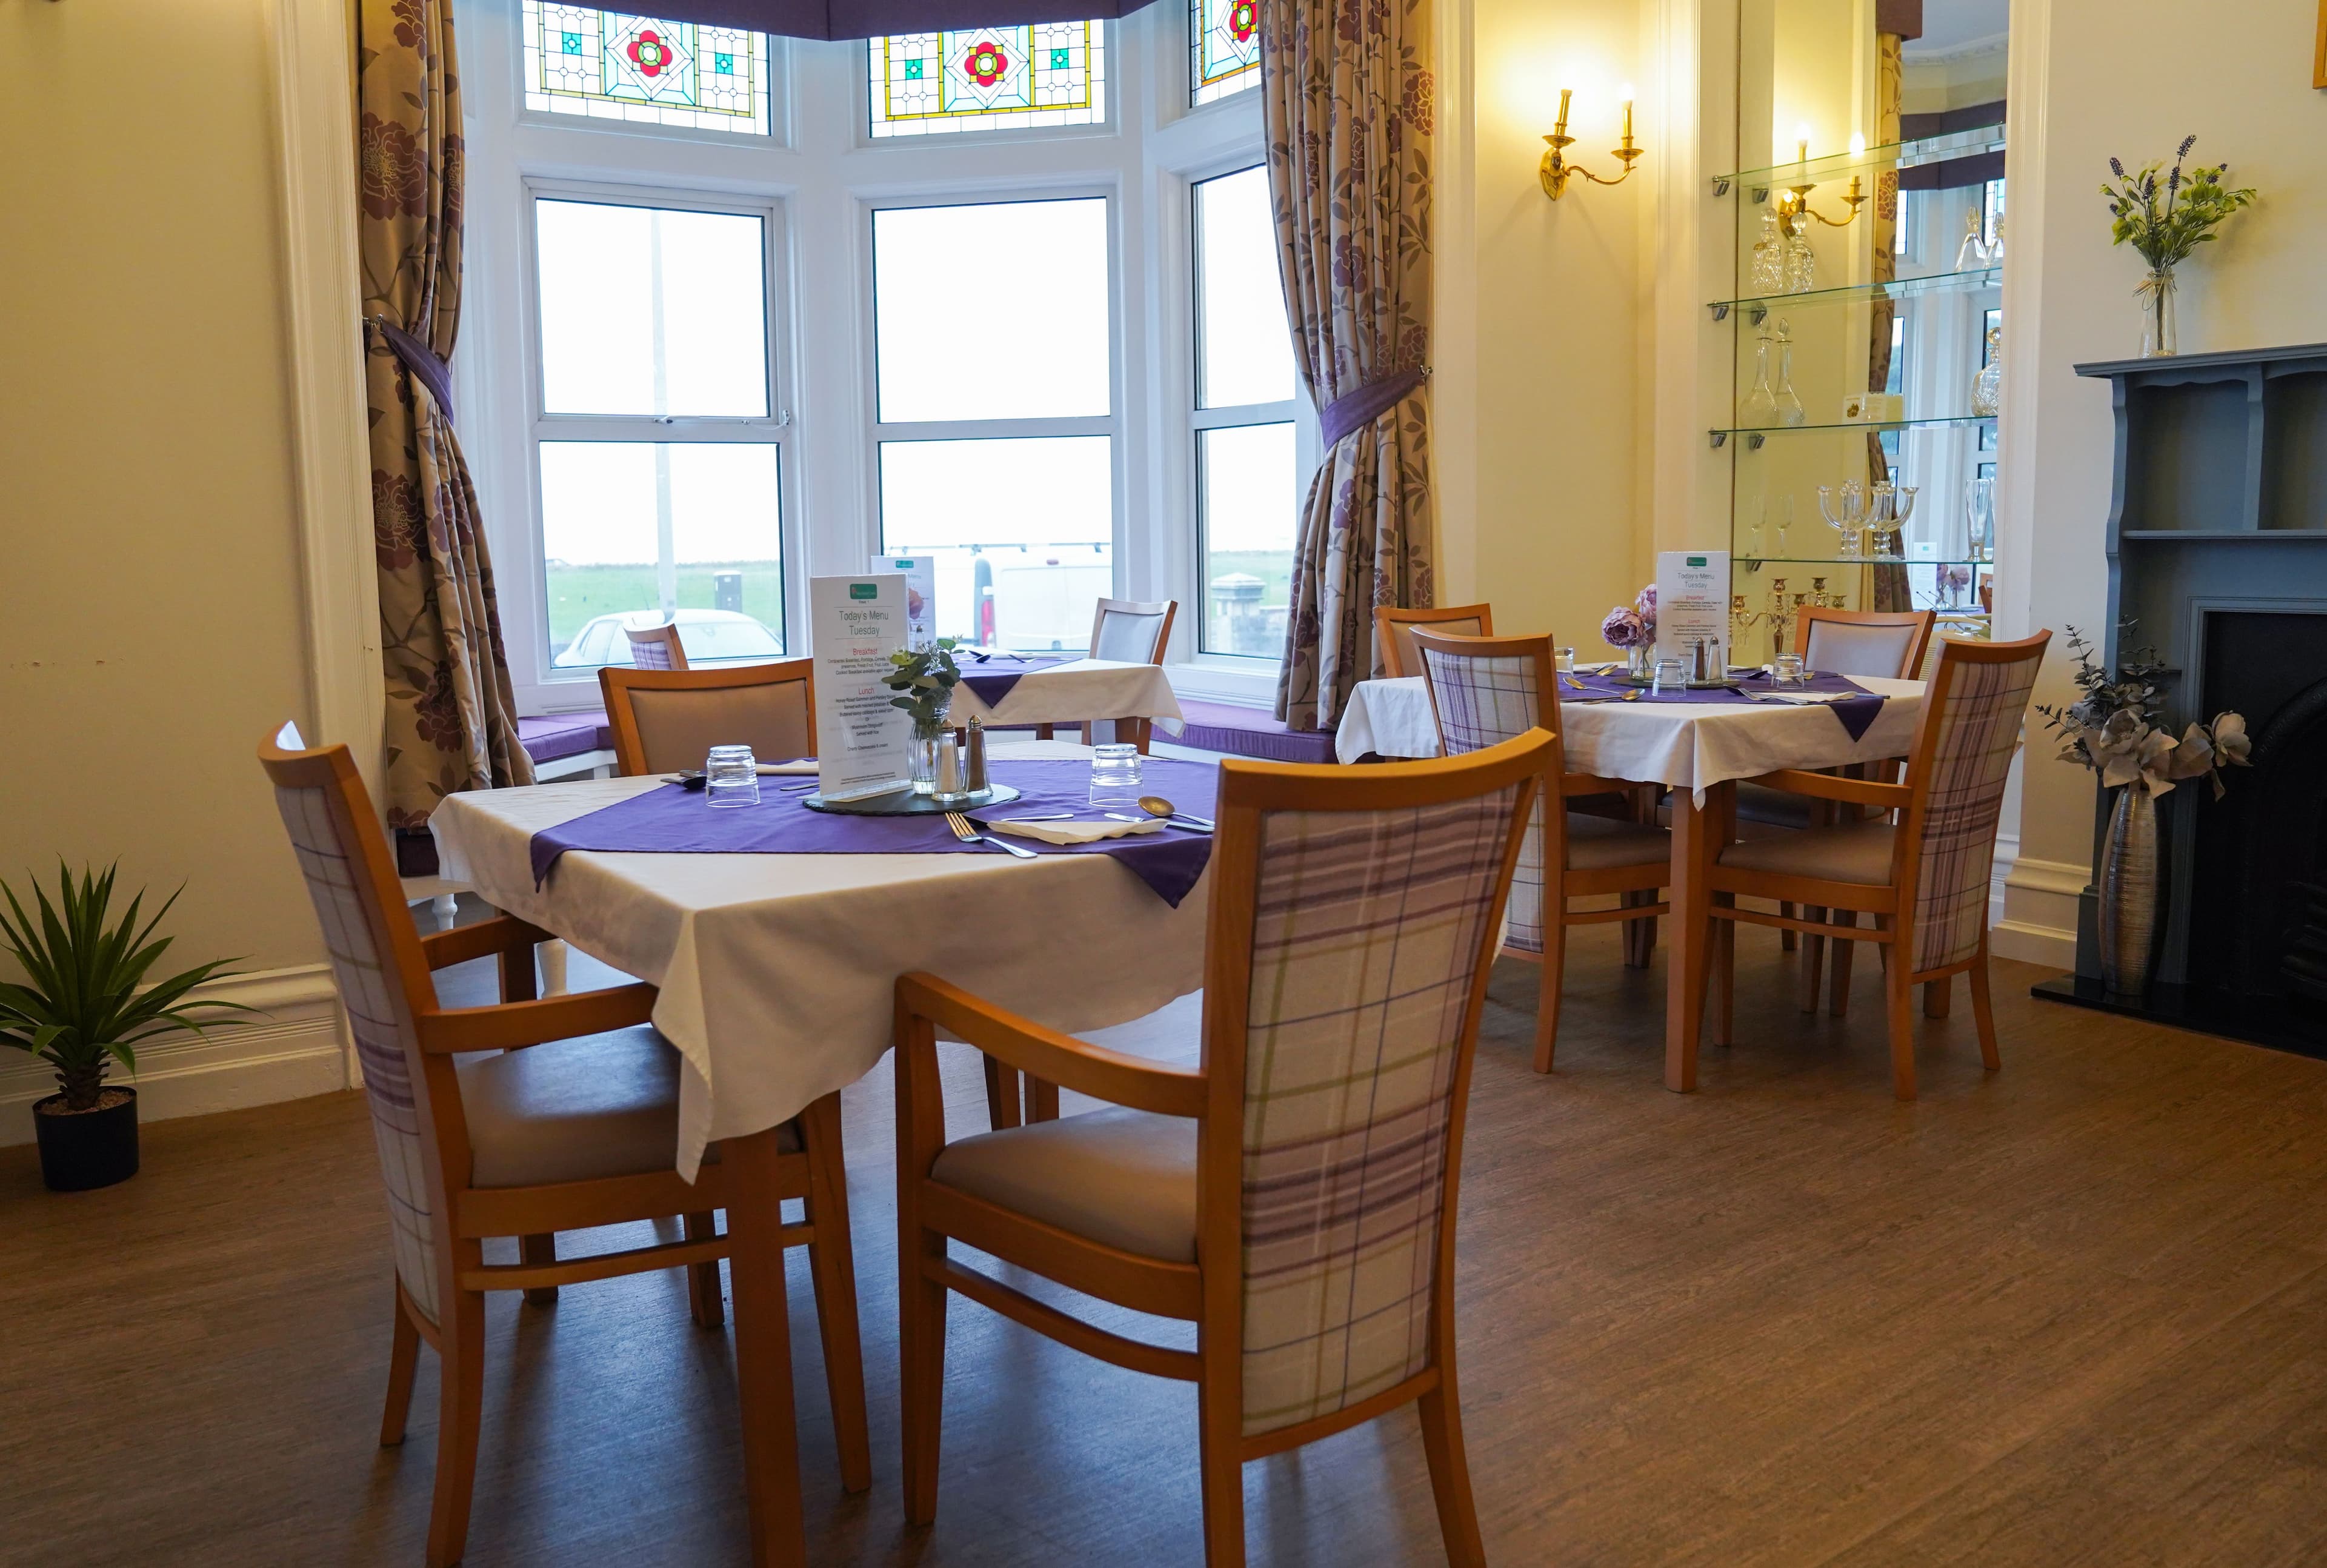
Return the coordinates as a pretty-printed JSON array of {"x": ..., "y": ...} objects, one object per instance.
[{"x": 1156, "y": 805}]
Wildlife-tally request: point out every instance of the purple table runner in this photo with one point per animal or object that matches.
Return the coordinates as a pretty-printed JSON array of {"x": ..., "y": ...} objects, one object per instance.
[
  {"x": 992, "y": 684},
  {"x": 670, "y": 820},
  {"x": 1856, "y": 714}
]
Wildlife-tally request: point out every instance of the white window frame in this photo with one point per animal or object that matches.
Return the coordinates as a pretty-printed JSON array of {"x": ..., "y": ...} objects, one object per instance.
[
  {"x": 1109, "y": 424},
  {"x": 822, "y": 174},
  {"x": 770, "y": 429},
  {"x": 1228, "y": 416}
]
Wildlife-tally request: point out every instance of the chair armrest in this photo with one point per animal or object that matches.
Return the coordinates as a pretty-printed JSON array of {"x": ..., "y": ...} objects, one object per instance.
[
  {"x": 505, "y": 1026},
  {"x": 1828, "y": 787},
  {"x": 502, "y": 934},
  {"x": 1106, "y": 1075}
]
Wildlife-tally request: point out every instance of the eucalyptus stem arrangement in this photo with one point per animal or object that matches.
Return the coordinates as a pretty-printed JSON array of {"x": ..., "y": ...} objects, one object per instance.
[
  {"x": 924, "y": 679},
  {"x": 2165, "y": 221}
]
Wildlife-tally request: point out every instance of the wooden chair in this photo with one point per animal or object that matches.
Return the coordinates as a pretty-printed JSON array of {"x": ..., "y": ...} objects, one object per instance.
[
  {"x": 1294, "y": 1196},
  {"x": 1922, "y": 868},
  {"x": 664, "y": 719},
  {"x": 1889, "y": 643},
  {"x": 485, "y": 1128},
  {"x": 1129, "y": 631},
  {"x": 656, "y": 646},
  {"x": 1394, "y": 632},
  {"x": 1483, "y": 690}
]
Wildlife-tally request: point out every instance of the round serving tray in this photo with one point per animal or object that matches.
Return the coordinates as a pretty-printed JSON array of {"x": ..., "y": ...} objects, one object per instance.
[{"x": 905, "y": 803}]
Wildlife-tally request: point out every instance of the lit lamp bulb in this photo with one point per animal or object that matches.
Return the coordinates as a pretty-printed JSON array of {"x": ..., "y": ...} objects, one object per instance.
[
  {"x": 1802, "y": 143},
  {"x": 1626, "y": 90},
  {"x": 1858, "y": 143}
]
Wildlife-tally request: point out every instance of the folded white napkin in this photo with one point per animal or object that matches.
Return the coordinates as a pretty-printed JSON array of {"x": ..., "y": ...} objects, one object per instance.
[
  {"x": 1077, "y": 832},
  {"x": 805, "y": 765},
  {"x": 1805, "y": 699}
]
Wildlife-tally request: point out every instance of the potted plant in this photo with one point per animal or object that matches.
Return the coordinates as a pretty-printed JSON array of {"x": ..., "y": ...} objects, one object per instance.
[
  {"x": 924, "y": 679},
  {"x": 84, "y": 1003},
  {"x": 2116, "y": 729},
  {"x": 2167, "y": 232}
]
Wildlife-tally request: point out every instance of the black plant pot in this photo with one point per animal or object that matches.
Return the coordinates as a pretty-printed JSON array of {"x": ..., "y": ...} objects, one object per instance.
[{"x": 86, "y": 1149}]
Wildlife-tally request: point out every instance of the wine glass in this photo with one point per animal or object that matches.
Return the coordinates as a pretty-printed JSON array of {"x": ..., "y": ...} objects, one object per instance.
[{"x": 1979, "y": 506}]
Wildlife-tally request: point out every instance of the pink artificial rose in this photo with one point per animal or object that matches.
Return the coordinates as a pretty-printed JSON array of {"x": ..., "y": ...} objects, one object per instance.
[{"x": 1623, "y": 629}]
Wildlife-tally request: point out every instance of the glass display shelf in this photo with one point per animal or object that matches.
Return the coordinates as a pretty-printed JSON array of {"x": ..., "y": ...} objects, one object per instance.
[
  {"x": 1743, "y": 558},
  {"x": 1962, "y": 143},
  {"x": 1756, "y": 432},
  {"x": 1756, "y": 306}
]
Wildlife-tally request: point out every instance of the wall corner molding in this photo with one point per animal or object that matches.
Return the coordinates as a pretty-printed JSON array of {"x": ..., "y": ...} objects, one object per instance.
[{"x": 312, "y": 55}]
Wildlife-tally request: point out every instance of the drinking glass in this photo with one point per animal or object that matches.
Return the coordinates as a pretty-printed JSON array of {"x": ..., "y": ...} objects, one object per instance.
[
  {"x": 1115, "y": 774},
  {"x": 1671, "y": 675},
  {"x": 1563, "y": 660},
  {"x": 731, "y": 777},
  {"x": 1786, "y": 669}
]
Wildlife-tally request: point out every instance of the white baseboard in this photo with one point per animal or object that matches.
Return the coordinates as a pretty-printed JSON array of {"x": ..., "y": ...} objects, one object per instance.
[
  {"x": 2036, "y": 917},
  {"x": 298, "y": 1047}
]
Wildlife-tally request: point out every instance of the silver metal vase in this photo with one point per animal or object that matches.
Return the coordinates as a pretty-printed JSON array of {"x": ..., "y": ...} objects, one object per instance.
[{"x": 2128, "y": 892}]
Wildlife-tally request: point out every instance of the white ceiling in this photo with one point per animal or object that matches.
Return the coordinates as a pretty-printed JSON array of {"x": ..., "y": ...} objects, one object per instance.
[{"x": 1950, "y": 24}]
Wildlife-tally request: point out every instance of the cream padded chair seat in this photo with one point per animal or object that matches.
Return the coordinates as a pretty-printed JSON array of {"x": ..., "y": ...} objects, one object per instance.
[
  {"x": 1598, "y": 842},
  {"x": 1858, "y": 853},
  {"x": 604, "y": 1105},
  {"x": 1126, "y": 1178}
]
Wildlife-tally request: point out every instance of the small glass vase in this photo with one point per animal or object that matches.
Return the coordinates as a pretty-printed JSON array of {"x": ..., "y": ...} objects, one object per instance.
[
  {"x": 923, "y": 751},
  {"x": 1639, "y": 660},
  {"x": 2160, "y": 331}
]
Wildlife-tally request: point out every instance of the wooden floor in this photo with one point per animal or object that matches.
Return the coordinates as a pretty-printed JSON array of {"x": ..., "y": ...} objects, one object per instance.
[{"x": 2073, "y": 1313}]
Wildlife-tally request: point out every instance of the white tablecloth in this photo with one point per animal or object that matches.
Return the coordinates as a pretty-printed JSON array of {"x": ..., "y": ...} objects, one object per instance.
[
  {"x": 1688, "y": 745},
  {"x": 1070, "y": 693},
  {"x": 777, "y": 970}
]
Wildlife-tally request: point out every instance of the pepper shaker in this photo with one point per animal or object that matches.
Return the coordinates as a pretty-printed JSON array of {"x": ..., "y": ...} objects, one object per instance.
[{"x": 974, "y": 763}]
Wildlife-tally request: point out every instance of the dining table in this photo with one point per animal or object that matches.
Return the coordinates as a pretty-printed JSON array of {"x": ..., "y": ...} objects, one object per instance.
[
  {"x": 1696, "y": 744},
  {"x": 775, "y": 965},
  {"x": 1012, "y": 690}
]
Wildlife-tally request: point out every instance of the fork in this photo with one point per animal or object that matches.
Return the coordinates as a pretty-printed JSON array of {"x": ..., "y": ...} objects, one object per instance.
[{"x": 968, "y": 833}]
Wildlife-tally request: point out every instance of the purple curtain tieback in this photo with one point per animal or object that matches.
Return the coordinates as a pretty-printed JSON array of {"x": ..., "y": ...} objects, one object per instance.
[
  {"x": 1354, "y": 411},
  {"x": 420, "y": 360}
]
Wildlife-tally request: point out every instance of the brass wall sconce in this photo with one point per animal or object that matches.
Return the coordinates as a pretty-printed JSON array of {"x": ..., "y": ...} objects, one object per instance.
[
  {"x": 1794, "y": 206},
  {"x": 1555, "y": 169}
]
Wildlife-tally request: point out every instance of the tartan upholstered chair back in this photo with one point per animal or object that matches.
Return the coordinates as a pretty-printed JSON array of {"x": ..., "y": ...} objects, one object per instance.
[
  {"x": 656, "y": 646},
  {"x": 1339, "y": 1042},
  {"x": 1971, "y": 727},
  {"x": 375, "y": 953},
  {"x": 1484, "y": 690}
]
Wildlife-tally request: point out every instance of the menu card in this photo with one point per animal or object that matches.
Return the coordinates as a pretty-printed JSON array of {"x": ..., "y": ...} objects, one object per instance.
[
  {"x": 1693, "y": 603},
  {"x": 864, "y": 746},
  {"x": 920, "y": 594}
]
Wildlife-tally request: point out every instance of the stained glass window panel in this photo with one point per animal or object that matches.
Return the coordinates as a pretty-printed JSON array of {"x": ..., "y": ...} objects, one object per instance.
[
  {"x": 634, "y": 531},
  {"x": 989, "y": 79},
  {"x": 651, "y": 311},
  {"x": 1023, "y": 529},
  {"x": 992, "y": 310},
  {"x": 611, "y": 65},
  {"x": 1223, "y": 48},
  {"x": 1244, "y": 346}
]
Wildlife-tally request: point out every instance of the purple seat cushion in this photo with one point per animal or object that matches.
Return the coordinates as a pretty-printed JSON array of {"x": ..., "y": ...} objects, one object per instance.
[
  {"x": 558, "y": 735},
  {"x": 1251, "y": 732}
]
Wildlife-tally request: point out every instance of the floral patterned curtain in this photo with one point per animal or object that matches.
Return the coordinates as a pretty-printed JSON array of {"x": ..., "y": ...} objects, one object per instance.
[
  {"x": 452, "y": 715},
  {"x": 1347, "y": 88}
]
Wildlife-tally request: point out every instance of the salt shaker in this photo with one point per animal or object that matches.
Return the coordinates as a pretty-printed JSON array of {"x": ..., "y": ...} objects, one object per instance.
[{"x": 974, "y": 764}]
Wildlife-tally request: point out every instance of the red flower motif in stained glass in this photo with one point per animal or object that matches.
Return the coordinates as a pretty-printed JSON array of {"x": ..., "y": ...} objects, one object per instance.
[
  {"x": 986, "y": 64},
  {"x": 1244, "y": 20},
  {"x": 650, "y": 53}
]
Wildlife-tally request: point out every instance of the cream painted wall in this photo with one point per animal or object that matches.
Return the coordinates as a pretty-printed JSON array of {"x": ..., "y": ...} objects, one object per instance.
[
  {"x": 152, "y": 630},
  {"x": 2107, "y": 90},
  {"x": 1538, "y": 387}
]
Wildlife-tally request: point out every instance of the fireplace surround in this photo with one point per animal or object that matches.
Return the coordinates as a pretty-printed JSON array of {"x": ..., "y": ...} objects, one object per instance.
[{"x": 2217, "y": 557}]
